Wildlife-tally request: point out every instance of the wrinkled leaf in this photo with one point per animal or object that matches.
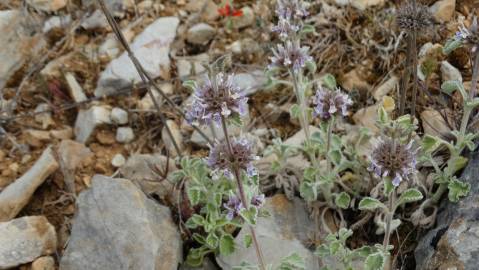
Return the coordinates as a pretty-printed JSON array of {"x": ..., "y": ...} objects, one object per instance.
[
  {"x": 369, "y": 203},
  {"x": 342, "y": 200},
  {"x": 457, "y": 189}
]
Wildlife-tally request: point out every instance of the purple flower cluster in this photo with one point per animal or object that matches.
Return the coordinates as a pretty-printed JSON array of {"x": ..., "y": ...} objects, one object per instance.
[
  {"x": 469, "y": 35},
  {"x": 242, "y": 157},
  {"x": 331, "y": 103},
  {"x": 215, "y": 98},
  {"x": 291, "y": 56},
  {"x": 234, "y": 205},
  {"x": 294, "y": 9},
  {"x": 285, "y": 28},
  {"x": 393, "y": 159}
]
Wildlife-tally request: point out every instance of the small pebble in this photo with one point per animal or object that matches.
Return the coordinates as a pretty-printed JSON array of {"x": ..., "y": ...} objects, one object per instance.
[
  {"x": 44, "y": 263},
  {"x": 118, "y": 160},
  {"x": 119, "y": 116},
  {"x": 124, "y": 135}
]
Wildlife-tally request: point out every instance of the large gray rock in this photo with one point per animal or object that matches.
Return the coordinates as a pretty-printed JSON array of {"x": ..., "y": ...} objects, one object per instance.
[
  {"x": 22, "y": 240},
  {"x": 140, "y": 168},
  {"x": 117, "y": 227},
  {"x": 18, "y": 43},
  {"x": 286, "y": 231},
  {"x": 151, "y": 48},
  {"x": 454, "y": 243}
]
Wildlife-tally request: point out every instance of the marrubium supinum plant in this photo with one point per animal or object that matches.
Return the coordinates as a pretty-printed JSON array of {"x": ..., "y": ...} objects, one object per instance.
[
  {"x": 219, "y": 101},
  {"x": 393, "y": 161}
]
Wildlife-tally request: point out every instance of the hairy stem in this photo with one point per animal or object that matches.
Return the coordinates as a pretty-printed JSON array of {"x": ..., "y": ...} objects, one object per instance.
[
  {"x": 415, "y": 78},
  {"x": 242, "y": 194},
  {"x": 406, "y": 76},
  {"x": 475, "y": 74},
  {"x": 387, "y": 232}
]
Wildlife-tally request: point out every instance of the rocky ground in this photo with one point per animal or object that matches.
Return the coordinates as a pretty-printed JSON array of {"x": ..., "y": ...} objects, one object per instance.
[{"x": 84, "y": 155}]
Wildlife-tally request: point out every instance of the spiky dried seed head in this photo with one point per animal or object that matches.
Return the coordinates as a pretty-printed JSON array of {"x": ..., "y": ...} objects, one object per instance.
[
  {"x": 410, "y": 18},
  {"x": 218, "y": 96},
  {"x": 220, "y": 160},
  {"x": 331, "y": 103},
  {"x": 391, "y": 158}
]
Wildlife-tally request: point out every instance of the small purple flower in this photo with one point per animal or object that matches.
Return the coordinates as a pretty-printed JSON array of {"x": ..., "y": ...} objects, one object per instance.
[
  {"x": 393, "y": 159},
  {"x": 285, "y": 28},
  {"x": 233, "y": 206},
  {"x": 215, "y": 99},
  {"x": 258, "y": 200},
  {"x": 295, "y": 9},
  {"x": 220, "y": 160},
  {"x": 331, "y": 103},
  {"x": 290, "y": 56},
  {"x": 469, "y": 35}
]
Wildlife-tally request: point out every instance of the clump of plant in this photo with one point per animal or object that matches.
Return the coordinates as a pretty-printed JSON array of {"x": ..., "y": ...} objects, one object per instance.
[
  {"x": 398, "y": 154},
  {"x": 224, "y": 185}
]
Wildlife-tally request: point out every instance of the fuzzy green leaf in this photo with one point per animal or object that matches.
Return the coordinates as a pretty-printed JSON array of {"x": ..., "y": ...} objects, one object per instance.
[
  {"x": 451, "y": 45},
  {"x": 375, "y": 261},
  {"x": 430, "y": 143},
  {"x": 292, "y": 262},
  {"x": 308, "y": 191},
  {"x": 329, "y": 81},
  {"x": 295, "y": 111},
  {"x": 410, "y": 195},
  {"x": 449, "y": 87},
  {"x": 249, "y": 215},
  {"x": 227, "y": 244},
  {"x": 369, "y": 203},
  {"x": 457, "y": 189},
  {"x": 248, "y": 240},
  {"x": 342, "y": 200},
  {"x": 212, "y": 240}
]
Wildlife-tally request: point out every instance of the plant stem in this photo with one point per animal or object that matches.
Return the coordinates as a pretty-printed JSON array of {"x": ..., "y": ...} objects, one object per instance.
[
  {"x": 415, "y": 78},
  {"x": 328, "y": 186},
  {"x": 405, "y": 77},
  {"x": 438, "y": 194},
  {"x": 300, "y": 96},
  {"x": 242, "y": 194},
  {"x": 389, "y": 218},
  {"x": 475, "y": 74},
  {"x": 387, "y": 232}
]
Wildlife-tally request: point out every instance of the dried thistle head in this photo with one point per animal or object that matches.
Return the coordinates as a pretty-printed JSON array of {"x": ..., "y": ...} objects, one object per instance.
[
  {"x": 413, "y": 18},
  {"x": 469, "y": 35},
  {"x": 220, "y": 160},
  {"x": 290, "y": 56},
  {"x": 391, "y": 158},
  {"x": 331, "y": 103},
  {"x": 217, "y": 97}
]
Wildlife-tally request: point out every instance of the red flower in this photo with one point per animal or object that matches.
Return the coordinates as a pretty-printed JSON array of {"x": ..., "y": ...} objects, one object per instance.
[{"x": 228, "y": 11}]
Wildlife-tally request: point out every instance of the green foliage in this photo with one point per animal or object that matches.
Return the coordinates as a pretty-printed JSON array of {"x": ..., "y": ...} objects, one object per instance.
[
  {"x": 329, "y": 81},
  {"x": 336, "y": 248},
  {"x": 210, "y": 223},
  {"x": 457, "y": 189},
  {"x": 375, "y": 261},
  {"x": 342, "y": 200},
  {"x": 292, "y": 262},
  {"x": 408, "y": 196},
  {"x": 369, "y": 203}
]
